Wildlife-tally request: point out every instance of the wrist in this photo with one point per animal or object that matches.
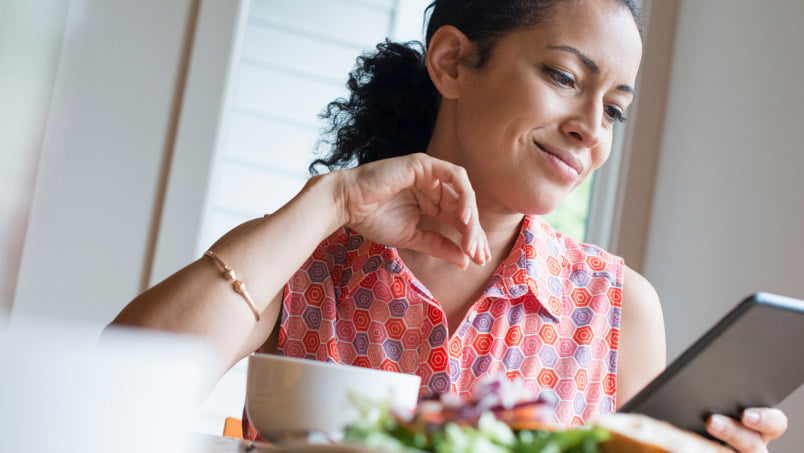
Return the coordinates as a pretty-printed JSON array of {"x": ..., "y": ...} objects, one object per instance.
[{"x": 330, "y": 188}]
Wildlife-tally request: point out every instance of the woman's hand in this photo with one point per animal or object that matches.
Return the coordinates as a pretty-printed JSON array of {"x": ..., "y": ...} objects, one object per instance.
[
  {"x": 385, "y": 201},
  {"x": 751, "y": 434}
]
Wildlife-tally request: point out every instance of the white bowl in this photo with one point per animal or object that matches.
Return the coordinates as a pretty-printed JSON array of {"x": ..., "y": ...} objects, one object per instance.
[{"x": 286, "y": 397}]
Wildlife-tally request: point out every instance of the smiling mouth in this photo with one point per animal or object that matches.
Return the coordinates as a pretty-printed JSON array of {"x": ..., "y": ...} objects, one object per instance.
[{"x": 564, "y": 156}]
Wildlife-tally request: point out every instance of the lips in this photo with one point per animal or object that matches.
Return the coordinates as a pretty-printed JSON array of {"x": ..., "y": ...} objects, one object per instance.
[{"x": 562, "y": 155}]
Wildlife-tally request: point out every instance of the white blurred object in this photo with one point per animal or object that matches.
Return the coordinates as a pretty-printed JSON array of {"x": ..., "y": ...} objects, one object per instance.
[
  {"x": 226, "y": 399},
  {"x": 63, "y": 389}
]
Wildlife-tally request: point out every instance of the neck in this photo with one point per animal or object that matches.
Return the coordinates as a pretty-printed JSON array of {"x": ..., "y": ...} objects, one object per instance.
[
  {"x": 501, "y": 226},
  {"x": 440, "y": 276},
  {"x": 501, "y": 231}
]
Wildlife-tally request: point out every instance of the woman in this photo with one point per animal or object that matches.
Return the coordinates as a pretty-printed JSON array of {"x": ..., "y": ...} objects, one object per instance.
[{"x": 437, "y": 263}]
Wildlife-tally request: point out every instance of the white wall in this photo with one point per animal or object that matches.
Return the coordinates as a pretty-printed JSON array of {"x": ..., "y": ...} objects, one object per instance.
[
  {"x": 30, "y": 43},
  {"x": 97, "y": 181},
  {"x": 728, "y": 213},
  {"x": 217, "y": 36}
]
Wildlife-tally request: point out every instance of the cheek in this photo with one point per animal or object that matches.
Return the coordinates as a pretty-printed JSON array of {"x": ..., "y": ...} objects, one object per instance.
[
  {"x": 599, "y": 155},
  {"x": 525, "y": 97},
  {"x": 541, "y": 106}
]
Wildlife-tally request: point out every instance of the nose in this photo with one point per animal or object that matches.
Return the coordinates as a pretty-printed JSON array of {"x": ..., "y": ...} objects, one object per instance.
[{"x": 585, "y": 125}]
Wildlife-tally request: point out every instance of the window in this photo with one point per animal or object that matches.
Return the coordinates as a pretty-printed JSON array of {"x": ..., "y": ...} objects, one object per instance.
[
  {"x": 572, "y": 214},
  {"x": 287, "y": 71}
]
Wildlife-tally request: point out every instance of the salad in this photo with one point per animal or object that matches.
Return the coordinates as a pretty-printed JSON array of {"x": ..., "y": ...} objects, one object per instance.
[{"x": 498, "y": 417}]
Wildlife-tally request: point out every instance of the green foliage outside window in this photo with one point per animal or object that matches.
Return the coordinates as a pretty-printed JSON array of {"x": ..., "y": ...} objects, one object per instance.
[{"x": 571, "y": 215}]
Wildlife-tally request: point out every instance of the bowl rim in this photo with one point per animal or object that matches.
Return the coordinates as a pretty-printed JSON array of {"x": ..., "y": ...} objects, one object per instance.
[{"x": 330, "y": 365}]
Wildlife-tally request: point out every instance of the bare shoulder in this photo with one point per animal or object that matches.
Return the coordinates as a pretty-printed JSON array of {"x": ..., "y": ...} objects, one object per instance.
[
  {"x": 639, "y": 295},
  {"x": 642, "y": 349}
]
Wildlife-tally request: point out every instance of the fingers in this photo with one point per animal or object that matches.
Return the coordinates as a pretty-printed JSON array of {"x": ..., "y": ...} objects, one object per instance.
[
  {"x": 769, "y": 422},
  {"x": 377, "y": 201},
  {"x": 450, "y": 192},
  {"x": 474, "y": 241},
  {"x": 737, "y": 435},
  {"x": 455, "y": 178},
  {"x": 750, "y": 434},
  {"x": 439, "y": 246}
]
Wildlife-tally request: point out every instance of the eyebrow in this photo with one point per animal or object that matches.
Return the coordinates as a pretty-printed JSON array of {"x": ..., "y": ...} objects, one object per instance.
[{"x": 591, "y": 65}]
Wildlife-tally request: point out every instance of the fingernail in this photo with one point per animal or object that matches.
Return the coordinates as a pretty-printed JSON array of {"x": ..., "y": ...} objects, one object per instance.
[
  {"x": 717, "y": 424},
  {"x": 751, "y": 416},
  {"x": 467, "y": 216},
  {"x": 473, "y": 248}
]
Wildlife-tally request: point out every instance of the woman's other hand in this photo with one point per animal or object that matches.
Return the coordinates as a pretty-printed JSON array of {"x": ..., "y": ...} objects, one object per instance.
[
  {"x": 385, "y": 201},
  {"x": 751, "y": 434}
]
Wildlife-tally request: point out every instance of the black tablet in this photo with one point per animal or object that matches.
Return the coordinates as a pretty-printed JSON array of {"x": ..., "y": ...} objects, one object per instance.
[{"x": 753, "y": 357}]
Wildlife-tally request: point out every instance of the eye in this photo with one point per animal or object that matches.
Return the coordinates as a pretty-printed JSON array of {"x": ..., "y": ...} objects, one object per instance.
[
  {"x": 614, "y": 113},
  {"x": 560, "y": 78}
]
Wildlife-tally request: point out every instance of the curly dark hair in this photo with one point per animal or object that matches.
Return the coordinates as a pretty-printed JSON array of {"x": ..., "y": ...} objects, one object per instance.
[{"x": 392, "y": 105}]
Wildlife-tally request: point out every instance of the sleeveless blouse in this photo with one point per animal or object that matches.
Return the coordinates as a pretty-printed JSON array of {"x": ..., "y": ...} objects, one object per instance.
[{"x": 550, "y": 315}]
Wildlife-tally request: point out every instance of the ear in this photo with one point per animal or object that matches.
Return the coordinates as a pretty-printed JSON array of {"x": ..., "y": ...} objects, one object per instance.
[{"x": 449, "y": 49}]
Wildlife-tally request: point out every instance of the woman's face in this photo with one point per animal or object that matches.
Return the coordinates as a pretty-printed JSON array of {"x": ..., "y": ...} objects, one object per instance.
[{"x": 534, "y": 122}]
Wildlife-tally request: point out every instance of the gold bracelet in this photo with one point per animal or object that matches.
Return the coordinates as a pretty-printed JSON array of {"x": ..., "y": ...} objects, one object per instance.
[{"x": 238, "y": 286}]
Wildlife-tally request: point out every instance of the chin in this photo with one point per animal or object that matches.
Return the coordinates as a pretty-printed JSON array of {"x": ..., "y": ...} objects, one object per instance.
[
  {"x": 542, "y": 212},
  {"x": 540, "y": 209},
  {"x": 546, "y": 201}
]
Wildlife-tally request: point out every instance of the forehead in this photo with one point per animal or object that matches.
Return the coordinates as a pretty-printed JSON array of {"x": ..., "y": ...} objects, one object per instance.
[{"x": 603, "y": 30}]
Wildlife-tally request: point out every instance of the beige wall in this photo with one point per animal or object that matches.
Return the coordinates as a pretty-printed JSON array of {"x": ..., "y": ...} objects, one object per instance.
[{"x": 728, "y": 209}]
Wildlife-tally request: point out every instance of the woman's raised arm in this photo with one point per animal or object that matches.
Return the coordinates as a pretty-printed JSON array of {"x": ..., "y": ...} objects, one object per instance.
[{"x": 383, "y": 200}]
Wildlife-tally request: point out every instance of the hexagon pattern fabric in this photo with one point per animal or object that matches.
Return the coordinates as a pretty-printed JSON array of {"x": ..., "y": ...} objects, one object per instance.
[{"x": 550, "y": 315}]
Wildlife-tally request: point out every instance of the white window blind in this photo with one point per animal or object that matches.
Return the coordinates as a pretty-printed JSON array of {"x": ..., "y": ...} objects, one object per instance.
[{"x": 294, "y": 59}]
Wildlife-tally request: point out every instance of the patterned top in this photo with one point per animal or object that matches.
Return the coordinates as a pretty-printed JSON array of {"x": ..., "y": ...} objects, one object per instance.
[{"x": 550, "y": 315}]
